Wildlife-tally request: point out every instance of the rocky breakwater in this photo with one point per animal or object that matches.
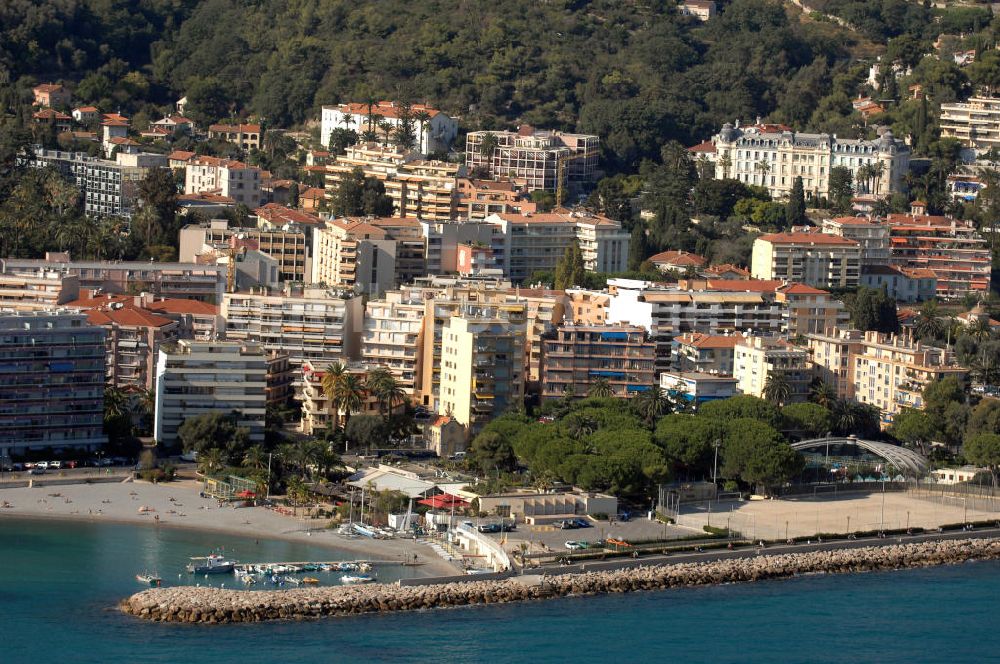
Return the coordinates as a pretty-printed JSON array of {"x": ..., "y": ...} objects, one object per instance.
[{"x": 185, "y": 604}]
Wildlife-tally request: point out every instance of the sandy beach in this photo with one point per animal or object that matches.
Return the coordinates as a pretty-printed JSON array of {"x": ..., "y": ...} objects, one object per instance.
[{"x": 178, "y": 505}]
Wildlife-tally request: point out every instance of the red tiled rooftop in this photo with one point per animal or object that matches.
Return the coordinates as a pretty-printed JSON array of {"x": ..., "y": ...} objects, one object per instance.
[
  {"x": 699, "y": 340},
  {"x": 678, "y": 258},
  {"x": 800, "y": 237},
  {"x": 181, "y": 306}
]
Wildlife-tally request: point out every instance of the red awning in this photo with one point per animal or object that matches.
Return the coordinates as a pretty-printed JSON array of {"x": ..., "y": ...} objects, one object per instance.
[
  {"x": 444, "y": 501},
  {"x": 246, "y": 493}
]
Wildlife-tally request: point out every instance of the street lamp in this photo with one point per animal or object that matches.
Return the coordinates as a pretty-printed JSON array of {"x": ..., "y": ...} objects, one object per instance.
[{"x": 715, "y": 463}]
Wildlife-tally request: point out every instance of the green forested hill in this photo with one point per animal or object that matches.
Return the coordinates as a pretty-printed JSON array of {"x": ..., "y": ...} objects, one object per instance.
[{"x": 633, "y": 71}]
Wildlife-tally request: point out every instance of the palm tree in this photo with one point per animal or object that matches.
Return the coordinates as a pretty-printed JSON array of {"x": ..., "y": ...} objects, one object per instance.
[
  {"x": 845, "y": 417},
  {"x": 350, "y": 394},
  {"x": 386, "y": 128},
  {"x": 777, "y": 388},
  {"x": 422, "y": 118},
  {"x": 763, "y": 168},
  {"x": 726, "y": 162},
  {"x": 488, "y": 145},
  {"x": 877, "y": 170},
  {"x": 601, "y": 388},
  {"x": 255, "y": 458},
  {"x": 652, "y": 404},
  {"x": 822, "y": 393},
  {"x": 211, "y": 461},
  {"x": 386, "y": 390},
  {"x": 863, "y": 175},
  {"x": 979, "y": 329},
  {"x": 928, "y": 322},
  {"x": 331, "y": 379}
]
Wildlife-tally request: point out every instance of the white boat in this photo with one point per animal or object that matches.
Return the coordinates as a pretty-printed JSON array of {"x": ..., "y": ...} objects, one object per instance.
[
  {"x": 354, "y": 579},
  {"x": 367, "y": 531},
  {"x": 214, "y": 564}
]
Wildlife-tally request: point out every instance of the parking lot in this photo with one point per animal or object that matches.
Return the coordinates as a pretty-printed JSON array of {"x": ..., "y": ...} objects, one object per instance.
[{"x": 552, "y": 538}]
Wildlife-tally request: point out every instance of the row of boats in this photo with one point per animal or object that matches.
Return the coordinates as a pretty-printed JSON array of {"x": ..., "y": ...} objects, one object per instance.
[{"x": 277, "y": 574}]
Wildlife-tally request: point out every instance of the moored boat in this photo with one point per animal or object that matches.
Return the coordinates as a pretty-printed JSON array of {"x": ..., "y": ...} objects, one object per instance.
[
  {"x": 214, "y": 564},
  {"x": 353, "y": 579},
  {"x": 151, "y": 580}
]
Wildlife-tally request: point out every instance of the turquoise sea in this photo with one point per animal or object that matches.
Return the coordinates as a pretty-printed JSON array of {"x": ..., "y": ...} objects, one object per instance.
[{"x": 59, "y": 583}]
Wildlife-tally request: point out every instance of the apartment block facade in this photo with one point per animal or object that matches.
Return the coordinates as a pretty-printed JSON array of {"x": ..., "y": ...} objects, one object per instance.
[
  {"x": 575, "y": 357},
  {"x": 952, "y": 249},
  {"x": 870, "y": 234},
  {"x": 536, "y": 157},
  {"x": 291, "y": 247},
  {"x": 226, "y": 177},
  {"x": 976, "y": 122},
  {"x": 52, "y": 383},
  {"x": 434, "y": 134},
  {"x": 32, "y": 291},
  {"x": 392, "y": 336},
  {"x": 757, "y": 359},
  {"x": 246, "y": 136},
  {"x": 821, "y": 260}
]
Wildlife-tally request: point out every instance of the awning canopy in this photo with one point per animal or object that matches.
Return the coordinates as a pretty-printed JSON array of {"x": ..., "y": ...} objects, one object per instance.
[{"x": 444, "y": 501}]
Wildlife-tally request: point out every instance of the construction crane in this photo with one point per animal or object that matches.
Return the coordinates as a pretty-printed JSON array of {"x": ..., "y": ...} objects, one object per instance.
[
  {"x": 561, "y": 162},
  {"x": 236, "y": 250}
]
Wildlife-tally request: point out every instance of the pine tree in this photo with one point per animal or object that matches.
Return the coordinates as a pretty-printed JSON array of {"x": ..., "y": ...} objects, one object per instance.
[
  {"x": 795, "y": 210},
  {"x": 640, "y": 248},
  {"x": 293, "y": 195},
  {"x": 570, "y": 269}
]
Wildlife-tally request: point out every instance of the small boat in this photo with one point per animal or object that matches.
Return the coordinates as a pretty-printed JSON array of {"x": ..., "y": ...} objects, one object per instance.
[
  {"x": 292, "y": 580},
  {"x": 311, "y": 580},
  {"x": 214, "y": 564},
  {"x": 148, "y": 579},
  {"x": 353, "y": 579}
]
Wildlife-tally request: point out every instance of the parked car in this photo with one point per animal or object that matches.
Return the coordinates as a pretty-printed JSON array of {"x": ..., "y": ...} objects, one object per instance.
[
  {"x": 566, "y": 524},
  {"x": 18, "y": 466},
  {"x": 508, "y": 527},
  {"x": 37, "y": 470},
  {"x": 583, "y": 523},
  {"x": 489, "y": 527},
  {"x": 55, "y": 465},
  {"x": 44, "y": 465},
  {"x": 574, "y": 545}
]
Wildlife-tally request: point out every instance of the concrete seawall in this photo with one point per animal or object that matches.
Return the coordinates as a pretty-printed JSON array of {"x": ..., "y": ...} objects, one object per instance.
[{"x": 210, "y": 605}]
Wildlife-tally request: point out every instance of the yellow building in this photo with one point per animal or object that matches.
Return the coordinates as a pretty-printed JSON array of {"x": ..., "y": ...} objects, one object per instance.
[
  {"x": 482, "y": 365},
  {"x": 821, "y": 260},
  {"x": 757, "y": 358},
  {"x": 831, "y": 356}
]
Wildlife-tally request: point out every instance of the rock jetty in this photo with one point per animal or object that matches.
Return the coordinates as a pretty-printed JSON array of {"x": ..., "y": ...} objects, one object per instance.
[{"x": 185, "y": 604}]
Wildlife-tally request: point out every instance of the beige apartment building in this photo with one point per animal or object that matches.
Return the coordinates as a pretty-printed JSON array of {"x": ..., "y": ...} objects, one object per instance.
[
  {"x": 704, "y": 353},
  {"x": 890, "y": 372},
  {"x": 577, "y": 356},
  {"x": 289, "y": 247},
  {"x": 246, "y": 136},
  {"x": 820, "y": 260},
  {"x": 755, "y": 359},
  {"x": 976, "y": 122},
  {"x": 392, "y": 336},
  {"x": 354, "y": 255},
  {"x": 419, "y": 188},
  {"x": 30, "y": 291},
  {"x": 807, "y": 310},
  {"x": 310, "y": 324},
  {"x": 871, "y": 235},
  {"x": 831, "y": 356},
  {"x": 482, "y": 366},
  {"x": 317, "y": 409},
  {"x": 226, "y": 177}
]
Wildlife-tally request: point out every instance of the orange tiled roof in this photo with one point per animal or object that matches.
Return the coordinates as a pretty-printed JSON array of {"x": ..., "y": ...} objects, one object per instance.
[
  {"x": 181, "y": 155},
  {"x": 727, "y": 267},
  {"x": 128, "y": 315},
  {"x": 801, "y": 289},
  {"x": 699, "y": 340},
  {"x": 678, "y": 258},
  {"x": 801, "y": 237},
  {"x": 705, "y": 147},
  {"x": 181, "y": 306},
  {"x": 387, "y": 109},
  {"x": 279, "y": 214},
  {"x": 47, "y": 87}
]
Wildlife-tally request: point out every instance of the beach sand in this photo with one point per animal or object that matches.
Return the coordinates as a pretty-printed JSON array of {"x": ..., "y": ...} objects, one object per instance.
[{"x": 120, "y": 503}]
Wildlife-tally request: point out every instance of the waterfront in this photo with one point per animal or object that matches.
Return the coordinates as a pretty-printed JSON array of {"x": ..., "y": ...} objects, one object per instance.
[{"x": 60, "y": 581}]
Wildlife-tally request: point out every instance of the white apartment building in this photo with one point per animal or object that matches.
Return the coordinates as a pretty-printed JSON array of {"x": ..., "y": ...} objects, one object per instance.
[
  {"x": 225, "y": 177},
  {"x": 976, "y": 122},
  {"x": 199, "y": 377},
  {"x": 821, "y": 260},
  {"x": 391, "y": 337},
  {"x": 871, "y": 235},
  {"x": 310, "y": 324},
  {"x": 109, "y": 187},
  {"x": 536, "y": 242},
  {"x": 354, "y": 255},
  {"x": 435, "y": 132},
  {"x": 756, "y": 359},
  {"x": 831, "y": 357},
  {"x": 771, "y": 158},
  {"x": 30, "y": 291}
]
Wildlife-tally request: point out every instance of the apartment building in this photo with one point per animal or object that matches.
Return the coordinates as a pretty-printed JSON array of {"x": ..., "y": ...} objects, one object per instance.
[
  {"x": 133, "y": 338},
  {"x": 245, "y": 136},
  {"x": 226, "y": 177},
  {"x": 870, "y": 234},
  {"x": 307, "y": 324},
  {"x": 317, "y": 409},
  {"x": 411, "y": 247},
  {"x": 575, "y": 357},
  {"x": 51, "y": 95},
  {"x": 52, "y": 382},
  {"x": 169, "y": 280},
  {"x": 697, "y": 387},
  {"x": 109, "y": 187},
  {"x": 536, "y": 242},
  {"x": 392, "y": 336},
  {"x": 199, "y": 321},
  {"x": 482, "y": 366},
  {"x": 904, "y": 284},
  {"x": 435, "y": 131},
  {"x": 354, "y": 255},
  {"x": 419, "y": 188},
  {"x": 757, "y": 359},
  {"x": 976, "y": 122},
  {"x": 31, "y": 291},
  {"x": 821, "y": 260},
  {"x": 479, "y": 199},
  {"x": 196, "y": 377},
  {"x": 586, "y": 307},
  {"x": 695, "y": 352},
  {"x": 951, "y": 248},
  {"x": 442, "y": 240},
  {"x": 289, "y": 245},
  {"x": 773, "y": 157},
  {"x": 806, "y": 309},
  {"x": 831, "y": 357},
  {"x": 677, "y": 261},
  {"x": 702, "y": 10},
  {"x": 890, "y": 372},
  {"x": 536, "y": 157}
]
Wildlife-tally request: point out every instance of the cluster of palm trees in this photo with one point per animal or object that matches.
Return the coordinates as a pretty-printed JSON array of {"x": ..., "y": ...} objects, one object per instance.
[
  {"x": 650, "y": 404},
  {"x": 348, "y": 392},
  {"x": 133, "y": 405},
  {"x": 870, "y": 175},
  {"x": 402, "y": 134}
]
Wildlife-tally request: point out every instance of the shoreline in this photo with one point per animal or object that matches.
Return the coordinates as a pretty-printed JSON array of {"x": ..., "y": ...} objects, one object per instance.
[
  {"x": 76, "y": 502},
  {"x": 215, "y": 606}
]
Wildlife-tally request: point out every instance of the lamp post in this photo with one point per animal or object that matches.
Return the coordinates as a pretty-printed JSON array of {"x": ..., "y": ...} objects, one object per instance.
[
  {"x": 715, "y": 463},
  {"x": 267, "y": 493}
]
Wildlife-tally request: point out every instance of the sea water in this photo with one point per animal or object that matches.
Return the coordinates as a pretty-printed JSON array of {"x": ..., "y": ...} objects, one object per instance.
[{"x": 60, "y": 582}]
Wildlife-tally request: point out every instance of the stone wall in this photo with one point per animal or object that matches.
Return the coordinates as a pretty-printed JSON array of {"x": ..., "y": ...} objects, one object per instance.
[{"x": 211, "y": 605}]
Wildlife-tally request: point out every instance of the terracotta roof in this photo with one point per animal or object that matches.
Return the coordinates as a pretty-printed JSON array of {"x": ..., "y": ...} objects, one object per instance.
[
  {"x": 173, "y": 119},
  {"x": 181, "y": 155},
  {"x": 683, "y": 258},
  {"x": 279, "y": 215},
  {"x": 918, "y": 272},
  {"x": 181, "y": 306},
  {"x": 127, "y": 315},
  {"x": 121, "y": 140},
  {"x": 237, "y": 128},
  {"x": 699, "y": 340},
  {"x": 806, "y": 238},
  {"x": 50, "y": 114},
  {"x": 220, "y": 163},
  {"x": 801, "y": 289},
  {"x": 856, "y": 221},
  {"x": 313, "y": 193},
  {"x": 440, "y": 420},
  {"x": 554, "y": 218},
  {"x": 387, "y": 109},
  {"x": 86, "y": 109},
  {"x": 727, "y": 267},
  {"x": 706, "y": 147},
  {"x": 88, "y": 300},
  {"x": 206, "y": 196},
  {"x": 47, "y": 87}
]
